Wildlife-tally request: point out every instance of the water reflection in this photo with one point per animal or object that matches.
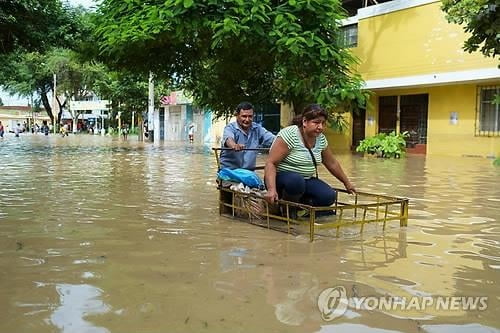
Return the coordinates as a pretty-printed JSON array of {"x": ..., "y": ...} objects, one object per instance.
[
  {"x": 135, "y": 228},
  {"x": 77, "y": 302}
]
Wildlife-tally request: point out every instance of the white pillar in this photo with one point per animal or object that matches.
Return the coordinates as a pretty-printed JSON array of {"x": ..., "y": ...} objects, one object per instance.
[
  {"x": 103, "y": 131},
  {"x": 54, "y": 102},
  {"x": 156, "y": 126},
  {"x": 151, "y": 104},
  {"x": 165, "y": 122},
  {"x": 168, "y": 124},
  {"x": 182, "y": 134}
]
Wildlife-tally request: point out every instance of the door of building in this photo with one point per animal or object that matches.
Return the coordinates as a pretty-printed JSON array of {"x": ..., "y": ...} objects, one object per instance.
[
  {"x": 174, "y": 125},
  {"x": 413, "y": 110},
  {"x": 413, "y": 119},
  {"x": 358, "y": 127},
  {"x": 388, "y": 114},
  {"x": 268, "y": 115}
]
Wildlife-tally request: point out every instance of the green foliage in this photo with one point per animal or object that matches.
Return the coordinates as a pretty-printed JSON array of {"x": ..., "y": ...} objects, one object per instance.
[
  {"x": 26, "y": 74},
  {"x": 337, "y": 122},
  {"x": 29, "y": 53},
  {"x": 128, "y": 92},
  {"x": 226, "y": 51},
  {"x": 480, "y": 18},
  {"x": 32, "y": 73},
  {"x": 383, "y": 145},
  {"x": 496, "y": 162},
  {"x": 37, "y": 25}
]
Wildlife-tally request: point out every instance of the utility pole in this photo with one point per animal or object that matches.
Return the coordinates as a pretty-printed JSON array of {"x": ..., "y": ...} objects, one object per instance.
[
  {"x": 133, "y": 122},
  {"x": 119, "y": 124},
  {"x": 151, "y": 106},
  {"x": 54, "y": 102}
]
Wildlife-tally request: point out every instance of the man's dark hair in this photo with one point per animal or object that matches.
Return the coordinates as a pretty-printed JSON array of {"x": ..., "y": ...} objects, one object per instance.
[{"x": 244, "y": 106}]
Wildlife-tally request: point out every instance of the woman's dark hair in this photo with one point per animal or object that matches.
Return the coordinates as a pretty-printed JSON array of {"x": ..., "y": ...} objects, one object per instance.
[{"x": 310, "y": 112}]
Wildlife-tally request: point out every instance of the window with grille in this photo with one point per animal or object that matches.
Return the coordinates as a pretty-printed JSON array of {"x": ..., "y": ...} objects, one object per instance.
[
  {"x": 488, "y": 111},
  {"x": 350, "y": 35}
]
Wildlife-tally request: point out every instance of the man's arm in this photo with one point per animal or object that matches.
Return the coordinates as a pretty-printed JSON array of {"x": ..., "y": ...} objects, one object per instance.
[
  {"x": 230, "y": 143},
  {"x": 266, "y": 137},
  {"x": 228, "y": 139}
]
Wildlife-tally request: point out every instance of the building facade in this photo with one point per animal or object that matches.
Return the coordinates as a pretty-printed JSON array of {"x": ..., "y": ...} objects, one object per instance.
[
  {"x": 423, "y": 81},
  {"x": 176, "y": 115},
  {"x": 25, "y": 116}
]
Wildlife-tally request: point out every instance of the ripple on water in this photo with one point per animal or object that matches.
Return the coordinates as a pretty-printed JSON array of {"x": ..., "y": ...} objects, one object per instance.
[
  {"x": 394, "y": 280},
  {"x": 32, "y": 261}
]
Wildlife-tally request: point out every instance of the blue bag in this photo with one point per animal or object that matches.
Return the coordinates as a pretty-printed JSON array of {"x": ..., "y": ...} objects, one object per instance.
[{"x": 247, "y": 177}]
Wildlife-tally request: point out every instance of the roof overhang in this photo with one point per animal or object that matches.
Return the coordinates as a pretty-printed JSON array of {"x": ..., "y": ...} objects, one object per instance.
[{"x": 433, "y": 79}]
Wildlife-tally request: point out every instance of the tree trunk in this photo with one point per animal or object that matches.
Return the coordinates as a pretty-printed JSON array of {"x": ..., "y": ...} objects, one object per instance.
[
  {"x": 61, "y": 108},
  {"x": 46, "y": 105},
  {"x": 140, "y": 126},
  {"x": 298, "y": 107}
]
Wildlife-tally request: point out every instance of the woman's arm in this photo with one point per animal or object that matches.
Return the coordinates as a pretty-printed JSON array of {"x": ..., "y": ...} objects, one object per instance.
[
  {"x": 335, "y": 169},
  {"x": 279, "y": 150}
]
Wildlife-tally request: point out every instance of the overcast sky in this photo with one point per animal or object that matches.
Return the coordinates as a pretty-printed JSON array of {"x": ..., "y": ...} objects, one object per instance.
[{"x": 84, "y": 3}]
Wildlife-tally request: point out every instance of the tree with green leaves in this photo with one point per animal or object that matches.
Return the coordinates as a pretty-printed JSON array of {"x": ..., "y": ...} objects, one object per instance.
[
  {"x": 28, "y": 74},
  {"x": 34, "y": 29},
  {"x": 128, "y": 92},
  {"x": 37, "y": 25},
  {"x": 226, "y": 51},
  {"x": 479, "y": 18},
  {"x": 76, "y": 79}
]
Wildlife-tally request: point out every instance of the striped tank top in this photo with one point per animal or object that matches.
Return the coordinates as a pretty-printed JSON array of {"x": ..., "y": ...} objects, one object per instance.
[{"x": 299, "y": 159}]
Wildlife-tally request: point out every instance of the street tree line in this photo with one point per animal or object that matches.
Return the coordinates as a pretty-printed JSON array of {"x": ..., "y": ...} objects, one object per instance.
[
  {"x": 219, "y": 51},
  {"x": 31, "y": 53}
]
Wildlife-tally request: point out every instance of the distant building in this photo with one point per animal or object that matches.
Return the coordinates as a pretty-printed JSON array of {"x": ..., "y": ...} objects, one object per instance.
[
  {"x": 10, "y": 116},
  {"x": 176, "y": 114},
  {"x": 92, "y": 111}
]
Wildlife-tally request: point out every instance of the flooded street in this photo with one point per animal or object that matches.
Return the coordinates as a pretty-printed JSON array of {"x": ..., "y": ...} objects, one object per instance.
[{"x": 101, "y": 235}]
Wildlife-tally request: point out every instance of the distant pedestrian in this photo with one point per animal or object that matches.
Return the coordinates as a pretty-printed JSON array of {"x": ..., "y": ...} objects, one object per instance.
[
  {"x": 1, "y": 130},
  {"x": 17, "y": 130},
  {"x": 45, "y": 128},
  {"x": 65, "y": 130},
  {"x": 191, "y": 133},
  {"x": 125, "y": 131}
]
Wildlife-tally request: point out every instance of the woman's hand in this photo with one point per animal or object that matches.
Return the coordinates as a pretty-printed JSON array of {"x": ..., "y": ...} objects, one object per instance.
[
  {"x": 271, "y": 196},
  {"x": 349, "y": 187}
]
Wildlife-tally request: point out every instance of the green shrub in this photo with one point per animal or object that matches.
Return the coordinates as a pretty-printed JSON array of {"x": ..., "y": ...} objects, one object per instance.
[
  {"x": 496, "y": 162},
  {"x": 383, "y": 145}
]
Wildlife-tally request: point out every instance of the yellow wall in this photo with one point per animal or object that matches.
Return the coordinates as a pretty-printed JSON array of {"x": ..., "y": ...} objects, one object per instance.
[
  {"x": 447, "y": 139},
  {"x": 286, "y": 114},
  {"x": 340, "y": 142},
  {"x": 444, "y": 138},
  {"x": 413, "y": 41}
]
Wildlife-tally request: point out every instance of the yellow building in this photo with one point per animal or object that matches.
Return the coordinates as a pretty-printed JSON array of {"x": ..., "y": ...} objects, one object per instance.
[
  {"x": 423, "y": 82},
  {"x": 10, "y": 116}
]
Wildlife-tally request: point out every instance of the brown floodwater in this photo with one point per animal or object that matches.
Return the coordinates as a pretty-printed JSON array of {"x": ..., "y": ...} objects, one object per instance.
[{"x": 100, "y": 235}]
